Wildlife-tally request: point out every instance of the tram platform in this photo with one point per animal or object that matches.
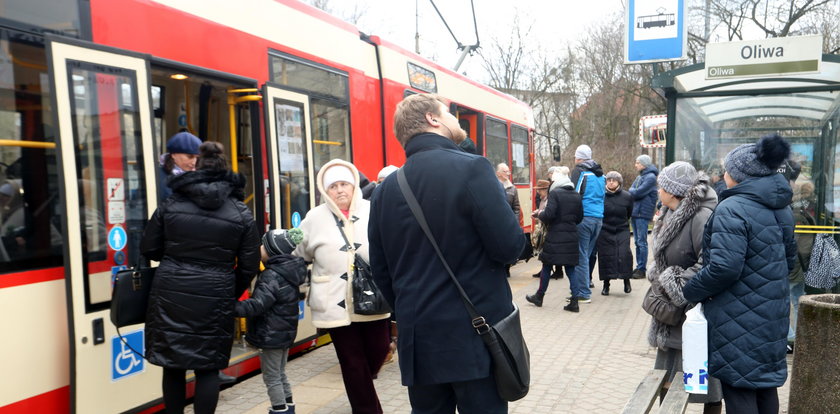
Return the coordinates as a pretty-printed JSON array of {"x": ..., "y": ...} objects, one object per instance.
[{"x": 588, "y": 362}]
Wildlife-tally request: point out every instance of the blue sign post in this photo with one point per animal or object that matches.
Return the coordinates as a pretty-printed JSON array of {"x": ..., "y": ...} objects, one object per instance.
[{"x": 655, "y": 31}]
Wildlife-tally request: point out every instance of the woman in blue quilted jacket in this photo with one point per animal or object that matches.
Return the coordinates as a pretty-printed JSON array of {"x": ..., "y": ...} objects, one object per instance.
[{"x": 748, "y": 252}]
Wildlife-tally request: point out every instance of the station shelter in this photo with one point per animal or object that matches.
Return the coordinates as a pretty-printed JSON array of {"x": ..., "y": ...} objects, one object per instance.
[{"x": 709, "y": 117}]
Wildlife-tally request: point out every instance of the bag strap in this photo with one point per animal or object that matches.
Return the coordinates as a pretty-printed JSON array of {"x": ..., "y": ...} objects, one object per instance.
[
  {"x": 142, "y": 355},
  {"x": 478, "y": 322}
]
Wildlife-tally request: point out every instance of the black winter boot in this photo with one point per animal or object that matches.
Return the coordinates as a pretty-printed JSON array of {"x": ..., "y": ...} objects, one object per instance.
[
  {"x": 606, "y": 290},
  {"x": 573, "y": 305},
  {"x": 627, "y": 288},
  {"x": 536, "y": 298}
]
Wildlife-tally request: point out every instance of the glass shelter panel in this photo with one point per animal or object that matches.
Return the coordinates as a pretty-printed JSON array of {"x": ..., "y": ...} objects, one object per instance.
[{"x": 708, "y": 127}]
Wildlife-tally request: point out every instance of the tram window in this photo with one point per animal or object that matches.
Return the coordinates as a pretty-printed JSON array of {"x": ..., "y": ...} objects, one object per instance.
[
  {"x": 497, "y": 142},
  {"x": 519, "y": 148},
  {"x": 60, "y": 16},
  {"x": 109, "y": 169},
  {"x": 30, "y": 236},
  {"x": 293, "y": 162},
  {"x": 309, "y": 77},
  {"x": 158, "y": 100},
  {"x": 331, "y": 132}
]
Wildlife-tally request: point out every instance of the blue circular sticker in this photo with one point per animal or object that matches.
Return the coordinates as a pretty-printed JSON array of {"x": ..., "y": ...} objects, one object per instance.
[
  {"x": 295, "y": 219},
  {"x": 117, "y": 238}
]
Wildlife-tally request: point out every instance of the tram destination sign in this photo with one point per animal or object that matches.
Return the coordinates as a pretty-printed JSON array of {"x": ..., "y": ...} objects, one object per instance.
[{"x": 765, "y": 57}]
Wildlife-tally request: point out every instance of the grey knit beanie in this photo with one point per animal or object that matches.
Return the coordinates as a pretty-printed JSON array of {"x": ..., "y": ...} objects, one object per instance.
[
  {"x": 757, "y": 160},
  {"x": 583, "y": 152},
  {"x": 644, "y": 159},
  {"x": 678, "y": 178}
]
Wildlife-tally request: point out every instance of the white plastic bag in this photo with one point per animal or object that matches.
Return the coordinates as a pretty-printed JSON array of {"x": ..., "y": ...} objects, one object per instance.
[{"x": 695, "y": 351}]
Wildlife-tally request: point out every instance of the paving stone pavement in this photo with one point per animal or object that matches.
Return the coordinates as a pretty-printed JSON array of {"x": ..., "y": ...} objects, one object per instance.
[{"x": 587, "y": 362}]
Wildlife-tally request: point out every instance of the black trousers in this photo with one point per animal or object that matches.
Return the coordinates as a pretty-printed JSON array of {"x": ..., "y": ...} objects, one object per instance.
[
  {"x": 471, "y": 397},
  {"x": 750, "y": 401},
  {"x": 361, "y": 348},
  {"x": 175, "y": 390}
]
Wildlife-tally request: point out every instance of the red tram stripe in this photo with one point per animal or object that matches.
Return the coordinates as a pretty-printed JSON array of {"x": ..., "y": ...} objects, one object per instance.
[
  {"x": 55, "y": 401},
  {"x": 30, "y": 277}
]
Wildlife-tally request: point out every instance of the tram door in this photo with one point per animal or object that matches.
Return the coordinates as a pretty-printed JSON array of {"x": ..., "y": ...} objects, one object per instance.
[
  {"x": 105, "y": 155},
  {"x": 290, "y": 169}
]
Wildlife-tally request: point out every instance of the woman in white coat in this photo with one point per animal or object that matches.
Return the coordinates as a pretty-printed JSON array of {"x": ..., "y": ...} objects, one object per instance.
[{"x": 361, "y": 341}]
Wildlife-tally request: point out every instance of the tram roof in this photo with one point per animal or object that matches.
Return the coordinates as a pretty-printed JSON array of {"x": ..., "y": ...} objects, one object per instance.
[{"x": 812, "y": 96}]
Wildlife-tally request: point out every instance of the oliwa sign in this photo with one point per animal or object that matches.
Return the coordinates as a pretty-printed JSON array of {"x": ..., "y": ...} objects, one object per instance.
[{"x": 765, "y": 57}]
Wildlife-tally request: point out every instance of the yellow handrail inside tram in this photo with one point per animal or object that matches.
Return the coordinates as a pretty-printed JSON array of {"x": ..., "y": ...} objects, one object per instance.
[
  {"x": 232, "y": 100},
  {"x": 812, "y": 229},
  {"x": 318, "y": 141},
  {"x": 26, "y": 144}
]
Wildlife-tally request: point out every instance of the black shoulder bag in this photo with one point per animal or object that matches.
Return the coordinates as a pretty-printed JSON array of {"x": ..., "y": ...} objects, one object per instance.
[
  {"x": 504, "y": 340},
  {"x": 367, "y": 298},
  {"x": 130, "y": 297}
]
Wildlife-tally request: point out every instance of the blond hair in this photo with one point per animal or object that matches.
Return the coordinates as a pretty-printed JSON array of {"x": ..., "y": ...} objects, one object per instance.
[{"x": 410, "y": 116}]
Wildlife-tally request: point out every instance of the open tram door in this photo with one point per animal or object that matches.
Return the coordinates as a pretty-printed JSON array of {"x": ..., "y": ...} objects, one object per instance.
[
  {"x": 105, "y": 161},
  {"x": 291, "y": 177}
]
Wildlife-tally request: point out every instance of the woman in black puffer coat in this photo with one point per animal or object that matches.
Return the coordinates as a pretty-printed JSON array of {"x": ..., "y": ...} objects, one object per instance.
[
  {"x": 207, "y": 243},
  {"x": 615, "y": 260},
  {"x": 562, "y": 213}
]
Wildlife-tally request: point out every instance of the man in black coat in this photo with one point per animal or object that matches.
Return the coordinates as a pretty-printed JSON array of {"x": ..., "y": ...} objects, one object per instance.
[{"x": 443, "y": 361}]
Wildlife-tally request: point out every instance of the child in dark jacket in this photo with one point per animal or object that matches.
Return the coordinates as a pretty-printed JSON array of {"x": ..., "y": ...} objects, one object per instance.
[{"x": 273, "y": 313}]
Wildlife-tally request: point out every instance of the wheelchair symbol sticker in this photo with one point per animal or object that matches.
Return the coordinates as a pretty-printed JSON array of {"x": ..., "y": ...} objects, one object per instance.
[{"x": 124, "y": 361}]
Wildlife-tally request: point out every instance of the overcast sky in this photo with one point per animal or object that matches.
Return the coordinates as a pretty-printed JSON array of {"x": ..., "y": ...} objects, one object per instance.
[{"x": 554, "y": 23}]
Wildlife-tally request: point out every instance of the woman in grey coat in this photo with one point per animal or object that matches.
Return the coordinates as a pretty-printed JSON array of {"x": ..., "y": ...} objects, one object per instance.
[{"x": 687, "y": 202}]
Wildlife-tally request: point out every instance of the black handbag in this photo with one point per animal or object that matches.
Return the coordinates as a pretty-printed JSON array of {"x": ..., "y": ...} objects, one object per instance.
[
  {"x": 504, "y": 340},
  {"x": 367, "y": 298},
  {"x": 130, "y": 296}
]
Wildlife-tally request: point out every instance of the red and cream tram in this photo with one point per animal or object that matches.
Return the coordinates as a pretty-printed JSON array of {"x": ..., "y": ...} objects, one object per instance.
[{"x": 89, "y": 92}]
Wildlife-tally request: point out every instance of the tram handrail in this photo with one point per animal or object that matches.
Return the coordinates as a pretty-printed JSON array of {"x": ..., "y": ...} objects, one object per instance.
[
  {"x": 26, "y": 144},
  {"x": 814, "y": 229}
]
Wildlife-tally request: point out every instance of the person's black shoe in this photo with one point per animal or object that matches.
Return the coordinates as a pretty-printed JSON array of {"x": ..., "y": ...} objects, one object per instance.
[
  {"x": 627, "y": 288},
  {"x": 572, "y": 306},
  {"x": 639, "y": 274},
  {"x": 536, "y": 298},
  {"x": 790, "y": 348},
  {"x": 591, "y": 285},
  {"x": 606, "y": 290},
  {"x": 225, "y": 379},
  {"x": 537, "y": 275}
]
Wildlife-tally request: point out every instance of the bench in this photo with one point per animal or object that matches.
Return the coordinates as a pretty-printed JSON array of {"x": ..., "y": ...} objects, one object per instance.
[{"x": 647, "y": 394}]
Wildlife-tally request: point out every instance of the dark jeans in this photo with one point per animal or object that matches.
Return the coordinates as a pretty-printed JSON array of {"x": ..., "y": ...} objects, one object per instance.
[
  {"x": 175, "y": 390},
  {"x": 750, "y": 401},
  {"x": 361, "y": 348},
  {"x": 545, "y": 276},
  {"x": 471, "y": 397},
  {"x": 640, "y": 229}
]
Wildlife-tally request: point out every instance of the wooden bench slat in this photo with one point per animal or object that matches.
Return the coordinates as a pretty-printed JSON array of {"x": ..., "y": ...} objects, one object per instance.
[
  {"x": 646, "y": 393},
  {"x": 676, "y": 399}
]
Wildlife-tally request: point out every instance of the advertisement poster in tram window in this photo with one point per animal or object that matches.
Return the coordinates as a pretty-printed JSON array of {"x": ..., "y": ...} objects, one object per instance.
[{"x": 290, "y": 137}]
